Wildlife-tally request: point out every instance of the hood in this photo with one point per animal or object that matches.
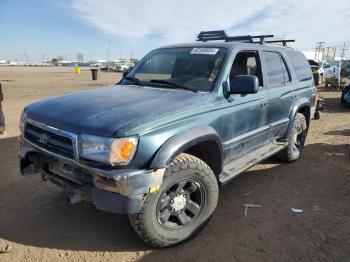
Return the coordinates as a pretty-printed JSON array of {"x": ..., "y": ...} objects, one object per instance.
[{"x": 104, "y": 111}]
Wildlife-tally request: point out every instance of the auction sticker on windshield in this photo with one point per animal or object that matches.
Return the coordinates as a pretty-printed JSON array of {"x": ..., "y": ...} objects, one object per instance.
[{"x": 204, "y": 51}]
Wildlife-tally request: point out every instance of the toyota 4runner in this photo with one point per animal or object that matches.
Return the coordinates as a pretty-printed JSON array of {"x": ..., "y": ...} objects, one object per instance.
[{"x": 186, "y": 119}]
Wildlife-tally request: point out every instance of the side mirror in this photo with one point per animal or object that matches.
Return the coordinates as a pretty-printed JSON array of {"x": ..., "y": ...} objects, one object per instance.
[
  {"x": 244, "y": 84},
  {"x": 127, "y": 71}
]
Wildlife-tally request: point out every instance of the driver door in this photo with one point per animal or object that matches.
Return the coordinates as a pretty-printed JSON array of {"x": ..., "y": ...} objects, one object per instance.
[{"x": 246, "y": 115}]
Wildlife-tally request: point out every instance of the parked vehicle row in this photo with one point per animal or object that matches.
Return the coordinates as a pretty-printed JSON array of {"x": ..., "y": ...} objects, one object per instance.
[
  {"x": 333, "y": 69},
  {"x": 316, "y": 71}
]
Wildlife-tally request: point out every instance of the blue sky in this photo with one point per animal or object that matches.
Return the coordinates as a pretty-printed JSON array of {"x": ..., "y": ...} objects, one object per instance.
[
  {"x": 46, "y": 28},
  {"x": 66, "y": 27}
]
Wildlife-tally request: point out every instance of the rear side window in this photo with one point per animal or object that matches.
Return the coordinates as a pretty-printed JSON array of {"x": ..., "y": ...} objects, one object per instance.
[
  {"x": 300, "y": 65},
  {"x": 277, "y": 72}
]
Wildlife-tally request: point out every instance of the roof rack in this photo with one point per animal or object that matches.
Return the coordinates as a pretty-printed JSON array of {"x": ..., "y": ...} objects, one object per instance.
[
  {"x": 283, "y": 42},
  {"x": 205, "y": 36}
]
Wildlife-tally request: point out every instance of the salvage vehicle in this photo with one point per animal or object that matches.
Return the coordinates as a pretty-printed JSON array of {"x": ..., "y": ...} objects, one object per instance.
[
  {"x": 186, "y": 119},
  {"x": 333, "y": 70},
  {"x": 315, "y": 68},
  {"x": 323, "y": 65}
]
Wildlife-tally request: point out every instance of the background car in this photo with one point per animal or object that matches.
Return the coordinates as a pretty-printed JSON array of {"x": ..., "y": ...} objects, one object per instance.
[
  {"x": 315, "y": 68},
  {"x": 333, "y": 69}
]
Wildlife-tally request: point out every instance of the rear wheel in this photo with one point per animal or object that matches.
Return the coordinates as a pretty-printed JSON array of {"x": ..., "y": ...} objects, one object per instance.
[
  {"x": 183, "y": 205},
  {"x": 317, "y": 115},
  {"x": 296, "y": 140},
  {"x": 317, "y": 79},
  {"x": 342, "y": 101}
]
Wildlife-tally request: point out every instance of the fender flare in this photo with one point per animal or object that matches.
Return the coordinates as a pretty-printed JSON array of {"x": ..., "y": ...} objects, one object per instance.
[
  {"x": 183, "y": 141},
  {"x": 295, "y": 108}
]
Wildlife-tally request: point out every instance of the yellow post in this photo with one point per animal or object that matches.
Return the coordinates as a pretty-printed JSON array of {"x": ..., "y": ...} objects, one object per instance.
[{"x": 77, "y": 69}]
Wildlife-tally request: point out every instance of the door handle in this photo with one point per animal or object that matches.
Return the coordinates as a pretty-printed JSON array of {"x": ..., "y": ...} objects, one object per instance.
[{"x": 263, "y": 104}]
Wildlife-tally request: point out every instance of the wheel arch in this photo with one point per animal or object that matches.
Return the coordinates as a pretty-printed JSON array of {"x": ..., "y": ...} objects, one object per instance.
[
  {"x": 202, "y": 142},
  {"x": 303, "y": 107}
]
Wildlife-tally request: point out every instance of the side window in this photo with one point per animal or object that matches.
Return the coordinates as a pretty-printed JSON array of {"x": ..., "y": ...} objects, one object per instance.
[
  {"x": 247, "y": 63},
  {"x": 286, "y": 72},
  {"x": 300, "y": 65},
  {"x": 276, "y": 69}
]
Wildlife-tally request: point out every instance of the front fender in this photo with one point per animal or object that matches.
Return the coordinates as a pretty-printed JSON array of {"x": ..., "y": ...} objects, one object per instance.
[{"x": 183, "y": 141}]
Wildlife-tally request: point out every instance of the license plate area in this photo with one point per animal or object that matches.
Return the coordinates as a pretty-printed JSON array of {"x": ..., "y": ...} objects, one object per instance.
[{"x": 70, "y": 172}]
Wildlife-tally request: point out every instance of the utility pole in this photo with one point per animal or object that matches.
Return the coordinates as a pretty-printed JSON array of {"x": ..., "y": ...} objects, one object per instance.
[
  {"x": 334, "y": 51},
  {"x": 318, "y": 50},
  {"x": 323, "y": 50},
  {"x": 342, "y": 53},
  {"x": 330, "y": 54},
  {"x": 108, "y": 59},
  {"x": 327, "y": 56}
]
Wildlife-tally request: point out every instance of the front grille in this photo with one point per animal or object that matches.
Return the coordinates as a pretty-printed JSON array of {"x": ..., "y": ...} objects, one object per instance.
[{"x": 50, "y": 141}]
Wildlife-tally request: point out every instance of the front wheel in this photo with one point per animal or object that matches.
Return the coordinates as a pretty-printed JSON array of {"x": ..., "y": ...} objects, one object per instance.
[
  {"x": 183, "y": 205},
  {"x": 296, "y": 140}
]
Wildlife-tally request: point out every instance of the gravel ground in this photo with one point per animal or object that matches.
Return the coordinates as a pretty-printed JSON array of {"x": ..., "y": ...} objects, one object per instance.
[{"x": 37, "y": 224}]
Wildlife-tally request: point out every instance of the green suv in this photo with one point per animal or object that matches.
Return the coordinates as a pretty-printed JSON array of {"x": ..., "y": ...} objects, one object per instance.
[{"x": 186, "y": 119}]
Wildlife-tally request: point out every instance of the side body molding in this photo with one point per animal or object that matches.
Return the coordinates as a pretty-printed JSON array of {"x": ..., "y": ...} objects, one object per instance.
[{"x": 183, "y": 141}]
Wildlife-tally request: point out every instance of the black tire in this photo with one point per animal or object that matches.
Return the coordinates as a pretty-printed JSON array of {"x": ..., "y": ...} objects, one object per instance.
[
  {"x": 296, "y": 140},
  {"x": 149, "y": 224},
  {"x": 317, "y": 115},
  {"x": 316, "y": 79},
  {"x": 342, "y": 101}
]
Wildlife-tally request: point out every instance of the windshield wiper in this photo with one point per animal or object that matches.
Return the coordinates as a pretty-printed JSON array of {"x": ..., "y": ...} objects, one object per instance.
[
  {"x": 172, "y": 84},
  {"x": 134, "y": 80}
]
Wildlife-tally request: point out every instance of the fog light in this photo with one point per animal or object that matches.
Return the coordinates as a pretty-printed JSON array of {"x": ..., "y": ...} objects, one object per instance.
[{"x": 154, "y": 188}]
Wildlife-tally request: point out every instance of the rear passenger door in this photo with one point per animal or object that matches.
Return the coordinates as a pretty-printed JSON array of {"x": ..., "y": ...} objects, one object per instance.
[{"x": 280, "y": 90}]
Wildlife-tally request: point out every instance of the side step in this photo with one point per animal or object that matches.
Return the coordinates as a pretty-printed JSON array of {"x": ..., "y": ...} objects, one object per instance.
[{"x": 236, "y": 167}]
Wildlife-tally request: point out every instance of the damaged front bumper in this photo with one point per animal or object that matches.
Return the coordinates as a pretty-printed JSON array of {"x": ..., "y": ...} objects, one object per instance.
[{"x": 113, "y": 190}]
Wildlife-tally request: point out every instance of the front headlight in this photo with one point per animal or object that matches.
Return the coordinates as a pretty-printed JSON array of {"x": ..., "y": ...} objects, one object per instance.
[
  {"x": 115, "y": 151},
  {"x": 22, "y": 121},
  {"x": 122, "y": 150}
]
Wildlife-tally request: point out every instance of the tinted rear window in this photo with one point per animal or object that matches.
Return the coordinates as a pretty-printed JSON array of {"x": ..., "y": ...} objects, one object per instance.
[{"x": 301, "y": 65}]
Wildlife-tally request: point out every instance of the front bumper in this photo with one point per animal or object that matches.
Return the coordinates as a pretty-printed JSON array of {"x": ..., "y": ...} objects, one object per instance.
[{"x": 127, "y": 194}]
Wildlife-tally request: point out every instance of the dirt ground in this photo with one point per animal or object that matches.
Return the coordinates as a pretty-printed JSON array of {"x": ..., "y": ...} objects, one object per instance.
[{"x": 37, "y": 223}]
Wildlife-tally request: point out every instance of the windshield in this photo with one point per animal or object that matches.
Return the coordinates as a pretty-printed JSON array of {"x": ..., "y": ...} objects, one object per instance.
[{"x": 192, "y": 68}]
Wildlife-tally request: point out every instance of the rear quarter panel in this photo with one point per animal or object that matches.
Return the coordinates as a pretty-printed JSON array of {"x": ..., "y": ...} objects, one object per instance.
[{"x": 303, "y": 92}]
